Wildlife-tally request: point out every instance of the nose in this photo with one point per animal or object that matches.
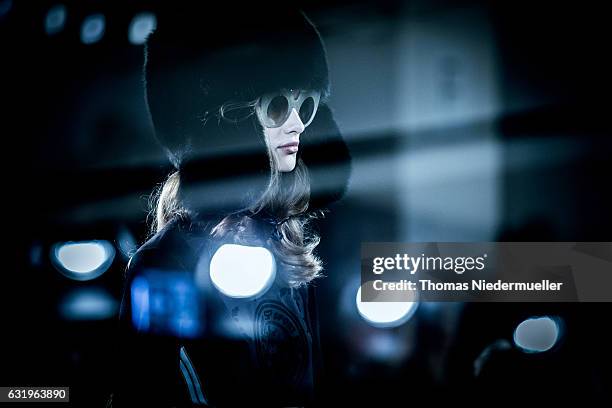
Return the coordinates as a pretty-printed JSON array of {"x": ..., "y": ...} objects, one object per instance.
[{"x": 294, "y": 123}]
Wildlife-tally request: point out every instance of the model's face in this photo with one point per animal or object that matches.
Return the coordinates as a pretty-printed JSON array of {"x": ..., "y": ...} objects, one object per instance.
[{"x": 283, "y": 141}]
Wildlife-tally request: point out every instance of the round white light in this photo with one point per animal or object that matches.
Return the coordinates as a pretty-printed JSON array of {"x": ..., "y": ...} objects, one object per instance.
[
  {"x": 240, "y": 271},
  {"x": 55, "y": 19},
  {"x": 93, "y": 28},
  {"x": 140, "y": 27},
  {"x": 385, "y": 314},
  {"x": 537, "y": 334},
  {"x": 83, "y": 260}
]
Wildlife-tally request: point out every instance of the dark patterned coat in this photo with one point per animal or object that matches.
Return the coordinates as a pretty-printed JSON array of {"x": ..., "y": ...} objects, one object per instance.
[{"x": 184, "y": 343}]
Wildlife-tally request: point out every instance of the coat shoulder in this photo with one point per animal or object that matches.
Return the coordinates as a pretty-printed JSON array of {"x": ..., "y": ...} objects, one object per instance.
[{"x": 173, "y": 248}]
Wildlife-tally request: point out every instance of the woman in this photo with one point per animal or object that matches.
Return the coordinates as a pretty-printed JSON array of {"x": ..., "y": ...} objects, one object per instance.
[{"x": 241, "y": 113}]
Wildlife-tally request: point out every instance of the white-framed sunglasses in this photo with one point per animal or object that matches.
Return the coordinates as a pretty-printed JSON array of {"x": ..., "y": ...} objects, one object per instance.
[{"x": 273, "y": 109}]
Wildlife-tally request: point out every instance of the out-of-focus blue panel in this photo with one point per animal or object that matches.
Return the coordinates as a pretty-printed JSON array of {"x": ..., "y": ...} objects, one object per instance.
[{"x": 165, "y": 302}]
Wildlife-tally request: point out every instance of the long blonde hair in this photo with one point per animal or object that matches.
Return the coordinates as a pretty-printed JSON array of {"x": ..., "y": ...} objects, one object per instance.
[
  {"x": 165, "y": 204},
  {"x": 285, "y": 200}
]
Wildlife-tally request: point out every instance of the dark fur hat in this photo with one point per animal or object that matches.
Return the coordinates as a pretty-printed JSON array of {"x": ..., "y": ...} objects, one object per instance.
[{"x": 193, "y": 68}]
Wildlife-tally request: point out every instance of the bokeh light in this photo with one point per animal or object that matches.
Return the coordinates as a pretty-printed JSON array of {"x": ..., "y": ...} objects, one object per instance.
[
  {"x": 93, "y": 28},
  {"x": 84, "y": 260},
  {"x": 140, "y": 27},
  {"x": 55, "y": 19},
  {"x": 386, "y": 314},
  {"x": 240, "y": 271},
  {"x": 88, "y": 304},
  {"x": 537, "y": 334}
]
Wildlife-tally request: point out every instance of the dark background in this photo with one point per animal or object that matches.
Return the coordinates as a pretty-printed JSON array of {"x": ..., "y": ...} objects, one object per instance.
[{"x": 466, "y": 121}]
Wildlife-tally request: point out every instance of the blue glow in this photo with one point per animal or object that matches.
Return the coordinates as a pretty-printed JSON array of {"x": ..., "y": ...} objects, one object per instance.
[
  {"x": 55, "y": 19},
  {"x": 5, "y": 7},
  {"x": 93, "y": 28},
  {"x": 88, "y": 304},
  {"x": 166, "y": 302},
  {"x": 537, "y": 334},
  {"x": 140, "y": 304},
  {"x": 36, "y": 254},
  {"x": 386, "y": 346},
  {"x": 386, "y": 314},
  {"x": 240, "y": 271},
  {"x": 141, "y": 26},
  {"x": 82, "y": 260}
]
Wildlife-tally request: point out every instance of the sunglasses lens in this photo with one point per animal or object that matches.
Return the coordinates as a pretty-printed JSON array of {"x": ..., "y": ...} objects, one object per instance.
[
  {"x": 277, "y": 110},
  {"x": 307, "y": 109}
]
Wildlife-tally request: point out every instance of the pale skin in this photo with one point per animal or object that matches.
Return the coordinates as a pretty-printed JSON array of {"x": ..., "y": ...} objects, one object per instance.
[{"x": 284, "y": 141}]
